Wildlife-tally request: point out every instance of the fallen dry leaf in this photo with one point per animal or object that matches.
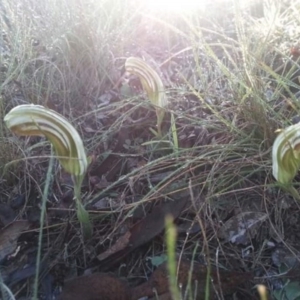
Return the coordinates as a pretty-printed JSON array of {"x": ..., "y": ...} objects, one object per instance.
[
  {"x": 225, "y": 282},
  {"x": 95, "y": 286},
  {"x": 242, "y": 227},
  {"x": 144, "y": 231},
  {"x": 112, "y": 164},
  {"x": 9, "y": 236},
  {"x": 7, "y": 214},
  {"x": 106, "y": 286},
  {"x": 283, "y": 256},
  {"x": 120, "y": 244}
]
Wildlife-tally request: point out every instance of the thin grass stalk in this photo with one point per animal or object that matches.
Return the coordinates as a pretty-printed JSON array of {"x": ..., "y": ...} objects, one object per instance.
[
  {"x": 174, "y": 134},
  {"x": 208, "y": 272},
  {"x": 6, "y": 291},
  {"x": 189, "y": 290}
]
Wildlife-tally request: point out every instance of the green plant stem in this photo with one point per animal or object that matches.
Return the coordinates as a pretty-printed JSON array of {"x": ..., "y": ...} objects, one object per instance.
[
  {"x": 171, "y": 235},
  {"x": 293, "y": 192},
  {"x": 289, "y": 188},
  {"x": 82, "y": 214},
  {"x": 42, "y": 217}
]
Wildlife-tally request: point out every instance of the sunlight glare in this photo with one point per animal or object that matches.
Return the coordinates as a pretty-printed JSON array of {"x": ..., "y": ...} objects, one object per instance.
[{"x": 175, "y": 5}]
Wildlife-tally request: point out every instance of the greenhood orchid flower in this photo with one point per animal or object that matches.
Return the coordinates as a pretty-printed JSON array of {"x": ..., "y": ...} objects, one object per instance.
[
  {"x": 286, "y": 157},
  {"x": 152, "y": 84},
  {"x": 36, "y": 120}
]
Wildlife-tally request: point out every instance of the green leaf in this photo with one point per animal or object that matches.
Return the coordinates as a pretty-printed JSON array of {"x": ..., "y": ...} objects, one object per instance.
[
  {"x": 158, "y": 260},
  {"x": 83, "y": 217},
  {"x": 292, "y": 290}
]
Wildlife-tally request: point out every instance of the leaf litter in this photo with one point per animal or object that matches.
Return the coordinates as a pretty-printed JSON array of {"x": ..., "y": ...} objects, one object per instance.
[{"x": 243, "y": 227}]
